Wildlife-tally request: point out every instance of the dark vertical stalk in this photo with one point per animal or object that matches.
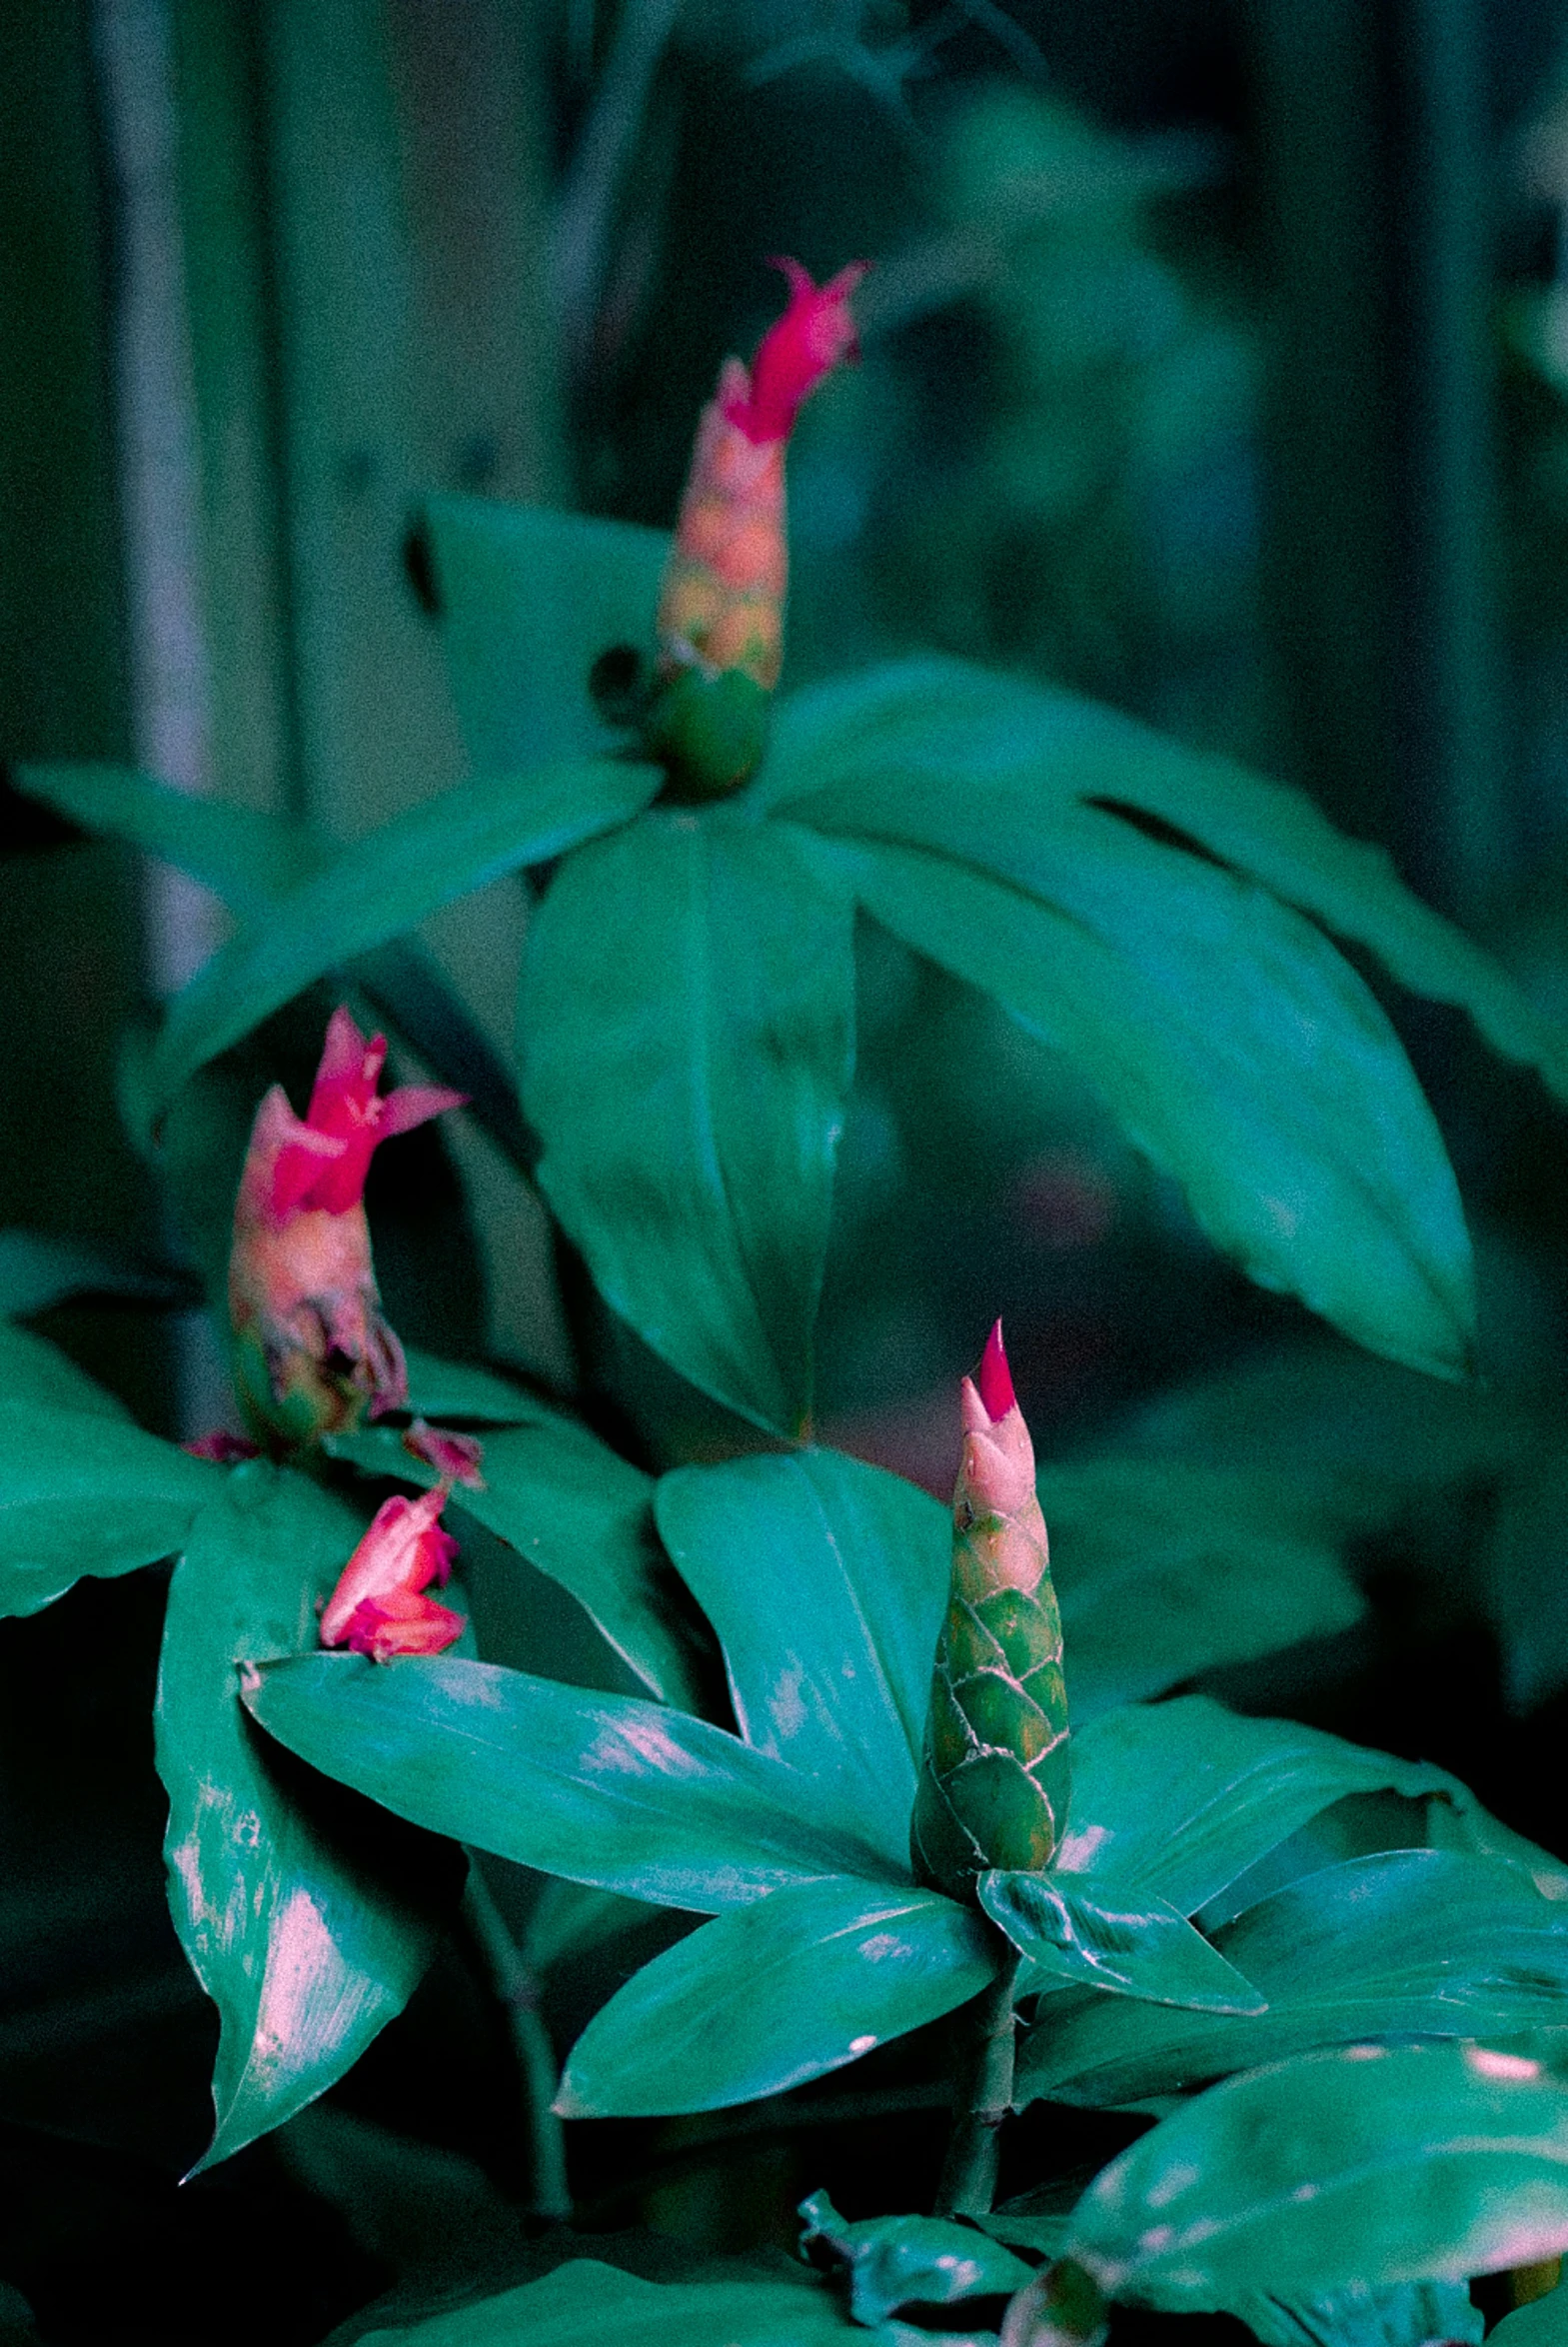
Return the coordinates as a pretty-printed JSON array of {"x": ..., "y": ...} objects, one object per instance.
[
  {"x": 516, "y": 1990},
  {"x": 982, "y": 2100}
]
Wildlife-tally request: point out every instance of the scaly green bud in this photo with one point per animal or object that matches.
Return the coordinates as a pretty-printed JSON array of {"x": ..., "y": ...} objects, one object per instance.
[{"x": 994, "y": 1777}]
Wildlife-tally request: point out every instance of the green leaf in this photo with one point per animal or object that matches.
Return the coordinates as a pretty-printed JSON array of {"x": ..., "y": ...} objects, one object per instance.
[
  {"x": 1401, "y": 2314},
  {"x": 37, "y": 1376},
  {"x": 567, "y": 1503},
  {"x": 378, "y": 887},
  {"x": 1523, "y": 1577},
  {"x": 775, "y": 1993},
  {"x": 1544, "y": 2323},
  {"x": 443, "y": 1389},
  {"x": 585, "y": 2304},
  {"x": 245, "y": 857},
  {"x": 82, "y": 1490},
  {"x": 687, "y": 1032},
  {"x": 529, "y": 601},
  {"x": 605, "y": 1790},
  {"x": 308, "y": 1919},
  {"x": 1177, "y": 1799},
  {"x": 38, "y": 1270},
  {"x": 1239, "y": 1050},
  {"x": 1409, "y": 1943},
  {"x": 905, "y": 752},
  {"x": 1145, "y": 1951},
  {"x": 826, "y": 1582},
  {"x": 909, "y": 2261},
  {"x": 1367, "y": 2164},
  {"x": 1164, "y": 1570}
]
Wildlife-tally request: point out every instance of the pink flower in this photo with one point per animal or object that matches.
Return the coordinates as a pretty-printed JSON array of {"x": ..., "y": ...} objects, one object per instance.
[
  {"x": 807, "y": 342},
  {"x": 457, "y": 1458},
  {"x": 313, "y": 1353},
  {"x": 378, "y": 1607}
]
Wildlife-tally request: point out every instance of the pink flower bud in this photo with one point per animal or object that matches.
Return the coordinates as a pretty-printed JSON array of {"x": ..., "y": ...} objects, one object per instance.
[
  {"x": 457, "y": 1458},
  {"x": 379, "y": 1606},
  {"x": 313, "y": 1353}
]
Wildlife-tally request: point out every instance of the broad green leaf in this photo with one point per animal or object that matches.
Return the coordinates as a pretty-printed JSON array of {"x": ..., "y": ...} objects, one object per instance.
[
  {"x": 82, "y": 1490},
  {"x": 245, "y": 857},
  {"x": 1136, "y": 1947},
  {"x": 1367, "y": 2164},
  {"x": 773, "y": 1994},
  {"x": 308, "y": 1919},
  {"x": 1400, "y": 2314},
  {"x": 924, "y": 749},
  {"x": 529, "y": 600},
  {"x": 1164, "y": 1570},
  {"x": 686, "y": 1036},
  {"x": 444, "y": 1390},
  {"x": 37, "y": 1271},
  {"x": 1239, "y": 1050},
  {"x": 1544, "y": 2323},
  {"x": 1177, "y": 1799},
  {"x": 1412, "y": 1943},
  {"x": 826, "y": 1582},
  {"x": 379, "y": 888},
  {"x": 606, "y": 1790},
  {"x": 37, "y": 1376},
  {"x": 585, "y": 2304},
  {"x": 909, "y": 2261},
  {"x": 567, "y": 1503}
]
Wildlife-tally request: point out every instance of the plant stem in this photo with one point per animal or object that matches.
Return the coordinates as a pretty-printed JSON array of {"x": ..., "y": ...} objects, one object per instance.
[
  {"x": 981, "y": 2099},
  {"x": 516, "y": 1990}
]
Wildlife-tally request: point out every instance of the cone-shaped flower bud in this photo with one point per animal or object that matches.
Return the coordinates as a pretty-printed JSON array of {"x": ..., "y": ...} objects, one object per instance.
[
  {"x": 312, "y": 1353},
  {"x": 379, "y": 1606},
  {"x": 721, "y": 608},
  {"x": 994, "y": 1775}
]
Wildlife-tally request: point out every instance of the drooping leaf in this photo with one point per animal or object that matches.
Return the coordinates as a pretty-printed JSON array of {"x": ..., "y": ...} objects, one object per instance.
[
  {"x": 82, "y": 1490},
  {"x": 826, "y": 1580},
  {"x": 244, "y": 856},
  {"x": 443, "y": 1389},
  {"x": 894, "y": 2262},
  {"x": 585, "y": 2304},
  {"x": 605, "y": 1790},
  {"x": 1164, "y": 1570},
  {"x": 578, "y": 1511},
  {"x": 1368, "y": 2164},
  {"x": 1237, "y": 1048},
  {"x": 1140, "y": 1948},
  {"x": 383, "y": 886},
  {"x": 1399, "y": 2314},
  {"x": 530, "y": 598},
  {"x": 908, "y": 750},
  {"x": 38, "y": 1270},
  {"x": 308, "y": 1918},
  {"x": 687, "y": 1034},
  {"x": 1411, "y": 1943},
  {"x": 773, "y": 1994}
]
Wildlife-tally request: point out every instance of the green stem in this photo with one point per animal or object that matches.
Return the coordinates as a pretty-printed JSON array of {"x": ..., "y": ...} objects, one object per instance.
[
  {"x": 516, "y": 1990},
  {"x": 982, "y": 2100}
]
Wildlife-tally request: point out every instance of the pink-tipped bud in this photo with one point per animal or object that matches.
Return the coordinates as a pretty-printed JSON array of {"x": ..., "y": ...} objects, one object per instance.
[
  {"x": 995, "y": 1378},
  {"x": 458, "y": 1459},
  {"x": 379, "y": 1606}
]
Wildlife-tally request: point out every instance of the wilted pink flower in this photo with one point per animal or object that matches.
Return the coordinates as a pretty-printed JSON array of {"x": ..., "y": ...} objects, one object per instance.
[
  {"x": 313, "y": 1353},
  {"x": 378, "y": 1607},
  {"x": 458, "y": 1457}
]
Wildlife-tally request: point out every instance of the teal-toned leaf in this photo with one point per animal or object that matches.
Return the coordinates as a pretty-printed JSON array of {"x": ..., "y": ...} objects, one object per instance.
[
  {"x": 1368, "y": 2164},
  {"x": 605, "y": 1790},
  {"x": 826, "y": 1580},
  {"x": 471, "y": 1394},
  {"x": 1178, "y": 1800},
  {"x": 1237, "y": 1048},
  {"x": 775, "y": 1993},
  {"x": 379, "y": 888},
  {"x": 1164, "y": 1570},
  {"x": 38, "y": 1270},
  {"x": 309, "y": 1921},
  {"x": 569, "y": 1917},
  {"x": 1411, "y": 1943},
  {"x": 83, "y": 1490},
  {"x": 245, "y": 857},
  {"x": 911, "y": 750},
  {"x": 578, "y": 1511},
  {"x": 1523, "y": 1580},
  {"x": 687, "y": 1032},
  {"x": 1400, "y": 2314},
  {"x": 1544, "y": 2323},
  {"x": 35, "y": 1374},
  {"x": 585, "y": 2304},
  {"x": 529, "y": 601},
  {"x": 1140, "y": 1948},
  {"x": 908, "y": 2261}
]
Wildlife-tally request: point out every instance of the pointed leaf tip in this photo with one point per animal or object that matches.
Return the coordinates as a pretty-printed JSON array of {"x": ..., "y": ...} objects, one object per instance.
[{"x": 995, "y": 1378}]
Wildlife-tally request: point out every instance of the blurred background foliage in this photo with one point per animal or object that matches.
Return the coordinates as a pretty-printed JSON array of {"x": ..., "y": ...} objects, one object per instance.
[{"x": 1215, "y": 362}]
